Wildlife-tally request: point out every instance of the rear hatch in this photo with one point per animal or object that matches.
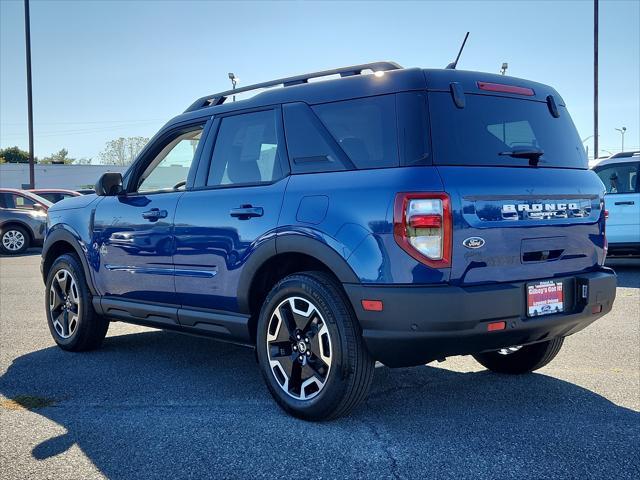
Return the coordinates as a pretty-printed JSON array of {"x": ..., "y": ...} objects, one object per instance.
[{"x": 524, "y": 204}]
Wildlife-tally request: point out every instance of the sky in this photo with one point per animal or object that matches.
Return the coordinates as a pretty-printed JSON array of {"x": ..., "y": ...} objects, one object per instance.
[{"x": 105, "y": 69}]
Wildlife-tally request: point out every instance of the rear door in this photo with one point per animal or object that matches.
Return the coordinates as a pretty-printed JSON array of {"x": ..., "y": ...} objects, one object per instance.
[
  {"x": 232, "y": 211},
  {"x": 622, "y": 201},
  {"x": 525, "y": 206}
]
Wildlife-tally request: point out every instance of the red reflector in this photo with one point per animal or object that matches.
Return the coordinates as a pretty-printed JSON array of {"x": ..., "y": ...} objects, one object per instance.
[
  {"x": 501, "y": 87},
  {"x": 596, "y": 309},
  {"x": 606, "y": 214},
  {"x": 492, "y": 327},
  {"x": 425, "y": 221},
  {"x": 372, "y": 305}
]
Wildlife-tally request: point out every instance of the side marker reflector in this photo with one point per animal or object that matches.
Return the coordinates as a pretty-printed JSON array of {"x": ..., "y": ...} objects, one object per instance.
[
  {"x": 372, "y": 305},
  {"x": 596, "y": 309},
  {"x": 493, "y": 326}
]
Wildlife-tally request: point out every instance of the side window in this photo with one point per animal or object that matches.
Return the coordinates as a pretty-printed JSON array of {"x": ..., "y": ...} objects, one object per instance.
[
  {"x": 619, "y": 178},
  {"x": 5, "y": 200},
  {"x": 23, "y": 203},
  {"x": 365, "y": 129},
  {"x": 169, "y": 169},
  {"x": 246, "y": 150},
  {"x": 311, "y": 147}
]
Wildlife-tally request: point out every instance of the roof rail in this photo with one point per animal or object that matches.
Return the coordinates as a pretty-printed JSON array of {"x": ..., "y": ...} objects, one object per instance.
[{"x": 219, "y": 98}]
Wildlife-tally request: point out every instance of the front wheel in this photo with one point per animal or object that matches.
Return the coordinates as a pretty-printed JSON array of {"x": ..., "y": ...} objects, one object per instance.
[
  {"x": 14, "y": 240},
  {"x": 310, "y": 348},
  {"x": 73, "y": 322},
  {"x": 521, "y": 359}
]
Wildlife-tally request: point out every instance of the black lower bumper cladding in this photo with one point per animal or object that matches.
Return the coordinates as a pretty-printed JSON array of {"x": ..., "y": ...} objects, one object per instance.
[{"x": 419, "y": 324}]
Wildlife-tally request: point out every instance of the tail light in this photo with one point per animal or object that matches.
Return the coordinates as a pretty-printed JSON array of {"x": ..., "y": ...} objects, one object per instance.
[{"x": 422, "y": 227}]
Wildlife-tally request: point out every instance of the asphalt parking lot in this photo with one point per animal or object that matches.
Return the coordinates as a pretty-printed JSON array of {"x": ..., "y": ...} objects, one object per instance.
[{"x": 152, "y": 404}]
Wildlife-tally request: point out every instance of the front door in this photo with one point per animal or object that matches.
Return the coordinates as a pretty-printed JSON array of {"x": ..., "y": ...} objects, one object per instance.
[
  {"x": 133, "y": 232},
  {"x": 235, "y": 210}
]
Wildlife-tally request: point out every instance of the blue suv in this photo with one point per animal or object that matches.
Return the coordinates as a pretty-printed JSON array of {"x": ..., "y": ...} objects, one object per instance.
[{"x": 390, "y": 214}]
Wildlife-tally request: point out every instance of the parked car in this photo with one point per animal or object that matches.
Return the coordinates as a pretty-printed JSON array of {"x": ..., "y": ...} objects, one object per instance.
[
  {"x": 619, "y": 174},
  {"x": 54, "y": 195},
  {"x": 86, "y": 191},
  {"x": 23, "y": 219},
  {"x": 403, "y": 216}
]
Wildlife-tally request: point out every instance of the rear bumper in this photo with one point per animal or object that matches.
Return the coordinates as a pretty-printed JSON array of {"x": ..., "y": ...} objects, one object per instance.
[{"x": 424, "y": 323}]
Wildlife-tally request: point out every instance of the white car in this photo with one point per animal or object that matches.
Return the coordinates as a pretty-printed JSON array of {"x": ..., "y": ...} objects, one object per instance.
[{"x": 619, "y": 173}]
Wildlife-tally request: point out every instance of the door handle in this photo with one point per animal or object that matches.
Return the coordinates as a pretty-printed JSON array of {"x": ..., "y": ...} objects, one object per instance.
[
  {"x": 154, "y": 214},
  {"x": 246, "y": 212},
  {"x": 630, "y": 202}
]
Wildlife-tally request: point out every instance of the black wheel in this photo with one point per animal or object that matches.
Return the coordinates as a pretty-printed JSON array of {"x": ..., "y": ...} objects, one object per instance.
[
  {"x": 310, "y": 348},
  {"x": 14, "y": 240},
  {"x": 521, "y": 359},
  {"x": 73, "y": 322}
]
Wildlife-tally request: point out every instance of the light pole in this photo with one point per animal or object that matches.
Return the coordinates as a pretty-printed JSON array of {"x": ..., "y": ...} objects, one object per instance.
[
  {"x": 234, "y": 82},
  {"x": 595, "y": 78},
  {"x": 503, "y": 69},
  {"x": 27, "y": 38},
  {"x": 622, "y": 132}
]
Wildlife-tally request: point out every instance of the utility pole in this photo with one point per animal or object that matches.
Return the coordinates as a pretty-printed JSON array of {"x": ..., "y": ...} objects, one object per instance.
[
  {"x": 622, "y": 131},
  {"x": 595, "y": 79},
  {"x": 27, "y": 34}
]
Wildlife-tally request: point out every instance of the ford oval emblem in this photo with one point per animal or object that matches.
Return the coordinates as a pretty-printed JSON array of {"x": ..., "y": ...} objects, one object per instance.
[{"x": 473, "y": 242}]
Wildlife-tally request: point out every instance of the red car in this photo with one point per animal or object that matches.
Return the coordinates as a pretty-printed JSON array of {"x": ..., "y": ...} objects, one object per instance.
[{"x": 54, "y": 195}]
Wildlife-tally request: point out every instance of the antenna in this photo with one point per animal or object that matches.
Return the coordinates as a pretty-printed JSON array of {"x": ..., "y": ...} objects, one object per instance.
[{"x": 452, "y": 66}]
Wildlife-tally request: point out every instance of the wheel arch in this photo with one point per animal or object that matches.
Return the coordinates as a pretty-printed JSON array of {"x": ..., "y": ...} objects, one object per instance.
[
  {"x": 270, "y": 264},
  {"x": 60, "y": 242}
]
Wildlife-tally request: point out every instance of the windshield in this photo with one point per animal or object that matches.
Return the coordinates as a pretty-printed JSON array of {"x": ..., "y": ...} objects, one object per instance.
[
  {"x": 38, "y": 198},
  {"x": 502, "y": 131}
]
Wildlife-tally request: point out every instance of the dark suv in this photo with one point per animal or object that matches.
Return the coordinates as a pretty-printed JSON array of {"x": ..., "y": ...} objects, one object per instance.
[{"x": 391, "y": 214}]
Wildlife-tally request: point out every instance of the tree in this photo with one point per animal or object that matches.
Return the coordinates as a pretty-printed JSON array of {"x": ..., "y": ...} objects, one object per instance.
[
  {"x": 82, "y": 161},
  {"x": 122, "y": 151},
  {"x": 60, "y": 158},
  {"x": 14, "y": 155}
]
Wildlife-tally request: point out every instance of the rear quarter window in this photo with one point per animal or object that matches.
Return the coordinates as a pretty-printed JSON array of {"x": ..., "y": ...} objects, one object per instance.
[
  {"x": 364, "y": 128},
  {"x": 489, "y": 125}
]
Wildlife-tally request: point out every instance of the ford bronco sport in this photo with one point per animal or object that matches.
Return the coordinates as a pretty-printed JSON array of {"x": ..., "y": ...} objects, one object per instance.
[{"x": 393, "y": 215}]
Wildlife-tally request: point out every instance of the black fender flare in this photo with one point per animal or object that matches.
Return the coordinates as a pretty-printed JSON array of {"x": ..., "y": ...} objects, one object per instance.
[
  {"x": 62, "y": 234},
  {"x": 291, "y": 243}
]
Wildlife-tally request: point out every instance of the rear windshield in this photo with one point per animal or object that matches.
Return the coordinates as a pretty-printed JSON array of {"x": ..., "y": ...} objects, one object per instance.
[{"x": 490, "y": 125}]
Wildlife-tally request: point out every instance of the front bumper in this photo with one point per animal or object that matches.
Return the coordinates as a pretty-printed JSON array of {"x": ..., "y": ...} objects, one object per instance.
[{"x": 424, "y": 323}]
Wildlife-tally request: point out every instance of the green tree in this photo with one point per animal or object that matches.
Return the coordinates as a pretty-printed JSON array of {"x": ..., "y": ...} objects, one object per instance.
[
  {"x": 14, "y": 155},
  {"x": 59, "y": 158},
  {"x": 122, "y": 151}
]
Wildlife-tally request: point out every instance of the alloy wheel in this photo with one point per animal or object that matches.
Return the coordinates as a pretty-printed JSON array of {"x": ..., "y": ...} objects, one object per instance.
[
  {"x": 299, "y": 348},
  {"x": 64, "y": 303},
  {"x": 13, "y": 240}
]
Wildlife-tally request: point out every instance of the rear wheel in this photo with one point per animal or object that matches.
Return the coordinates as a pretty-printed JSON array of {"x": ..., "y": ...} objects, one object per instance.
[
  {"x": 310, "y": 348},
  {"x": 521, "y": 359},
  {"x": 14, "y": 240},
  {"x": 73, "y": 323}
]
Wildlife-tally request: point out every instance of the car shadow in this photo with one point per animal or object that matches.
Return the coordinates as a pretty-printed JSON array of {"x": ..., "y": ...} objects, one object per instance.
[{"x": 164, "y": 405}]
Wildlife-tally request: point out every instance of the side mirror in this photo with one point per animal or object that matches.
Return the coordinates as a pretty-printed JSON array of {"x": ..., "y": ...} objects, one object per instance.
[
  {"x": 39, "y": 207},
  {"x": 109, "y": 184}
]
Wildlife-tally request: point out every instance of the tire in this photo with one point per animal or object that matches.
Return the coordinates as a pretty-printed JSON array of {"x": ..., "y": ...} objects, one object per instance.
[
  {"x": 67, "y": 294},
  {"x": 330, "y": 348},
  {"x": 524, "y": 360},
  {"x": 14, "y": 240}
]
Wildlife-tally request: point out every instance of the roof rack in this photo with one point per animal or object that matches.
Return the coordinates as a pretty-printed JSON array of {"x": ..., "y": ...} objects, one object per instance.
[{"x": 219, "y": 98}]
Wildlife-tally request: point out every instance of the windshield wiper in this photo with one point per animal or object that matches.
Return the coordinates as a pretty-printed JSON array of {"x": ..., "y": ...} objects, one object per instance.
[{"x": 533, "y": 154}]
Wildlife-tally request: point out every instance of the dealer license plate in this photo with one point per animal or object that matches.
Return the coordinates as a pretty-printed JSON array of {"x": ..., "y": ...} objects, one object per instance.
[{"x": 544, "y": 298}]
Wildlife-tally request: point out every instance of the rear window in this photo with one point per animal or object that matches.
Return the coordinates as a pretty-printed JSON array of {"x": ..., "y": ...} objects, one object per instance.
[{"x": 490, "y": 125}]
